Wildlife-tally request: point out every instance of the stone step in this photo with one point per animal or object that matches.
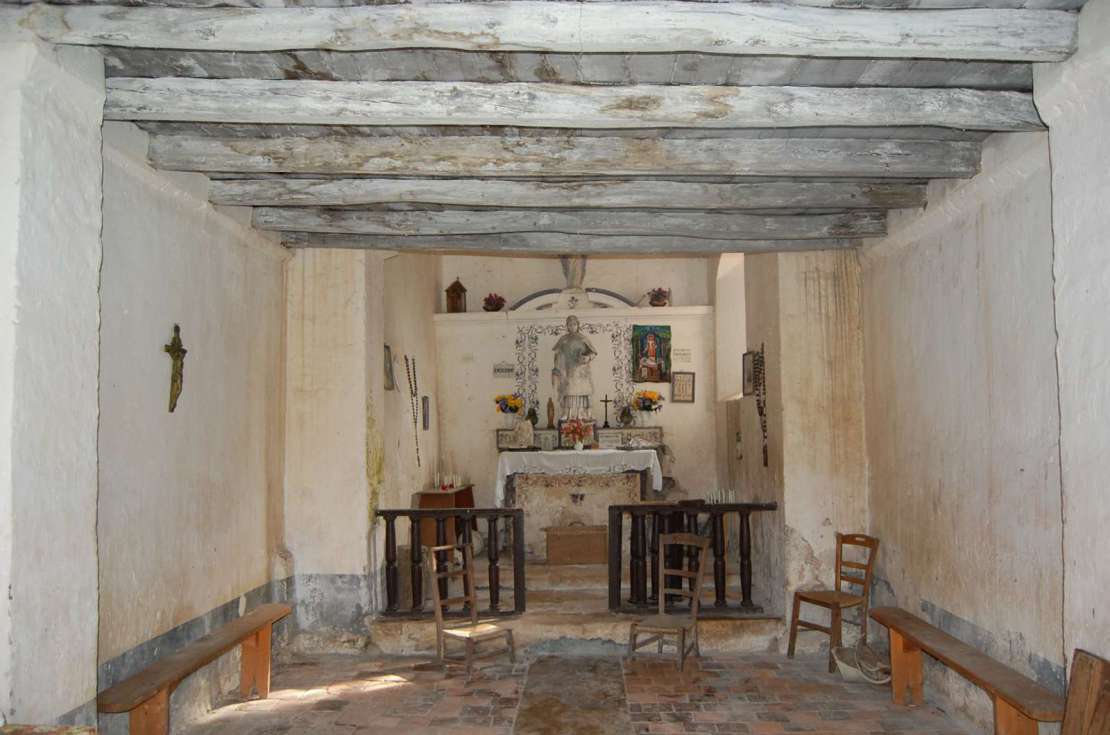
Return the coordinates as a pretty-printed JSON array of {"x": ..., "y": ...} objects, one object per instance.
[
  {"x": 543, "y": 576},
  {"x": 543, "y": 630}
]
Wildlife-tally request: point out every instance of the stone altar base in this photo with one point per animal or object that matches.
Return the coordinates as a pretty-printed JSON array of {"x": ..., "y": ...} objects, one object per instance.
[{"x": 564, "y": 500}]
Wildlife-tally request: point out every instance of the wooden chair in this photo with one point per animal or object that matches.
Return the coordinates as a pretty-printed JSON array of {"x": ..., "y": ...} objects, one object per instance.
[
  {"x": 1088, "y": 707},
  {"x": 470, "y": 633},
  {"x": 837, "y": 600},
  {"x": 658, "y": 627}
]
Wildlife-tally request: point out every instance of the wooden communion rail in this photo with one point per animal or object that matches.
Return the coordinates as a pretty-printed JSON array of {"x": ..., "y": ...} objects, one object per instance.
[
  {"x": 648, "y": 521},
  {"x": 459, "y": 524}
]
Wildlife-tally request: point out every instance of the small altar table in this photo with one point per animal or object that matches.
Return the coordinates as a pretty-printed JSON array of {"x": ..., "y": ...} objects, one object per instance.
[{"x": 570, "y": 462}]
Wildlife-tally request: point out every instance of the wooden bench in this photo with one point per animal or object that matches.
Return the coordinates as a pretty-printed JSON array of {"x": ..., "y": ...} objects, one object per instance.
[
  {"x": 1019, "y": 702},
  {"x": 146, "y": 695}
]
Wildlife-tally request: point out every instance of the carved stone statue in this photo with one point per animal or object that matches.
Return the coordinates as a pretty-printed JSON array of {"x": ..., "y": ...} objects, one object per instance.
[
  {"x": 176, "y": 350},
  {"x": 573, "y": 296},
  {"x": 571, "y": 377}
]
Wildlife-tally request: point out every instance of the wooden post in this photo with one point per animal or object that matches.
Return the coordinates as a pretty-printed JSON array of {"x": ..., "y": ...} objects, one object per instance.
[
  {"x": 254, "y": 663},
  {"x": 720, "y": 576},
  {"x": 616, "y": 540},
  {"x": 493, "y": 553},
  {"x": 519, "y": 588},
  {"x": 906, "y": 674},
  {"x": 692, "y": 559},
  {"x": 1009, "y": 721},
  {"x": 746, "y": 560},
  {"x": 152, "y": 717},
  {"x": 390, "y": 564},
  {"x": 416, "y": 561},
  {"x": 638, "y": 559}
]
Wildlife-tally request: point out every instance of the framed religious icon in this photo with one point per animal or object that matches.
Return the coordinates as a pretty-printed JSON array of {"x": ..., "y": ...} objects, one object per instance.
[
  {"x": 390, "y": 383},
  {"x": 651, "y": 354},
  {"x": 748, "y": 373},
  {"x": 682, "y": 387}
]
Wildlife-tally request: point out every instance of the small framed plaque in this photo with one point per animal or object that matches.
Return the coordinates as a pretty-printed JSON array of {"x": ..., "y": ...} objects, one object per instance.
[{"x": 682, "y": 387}]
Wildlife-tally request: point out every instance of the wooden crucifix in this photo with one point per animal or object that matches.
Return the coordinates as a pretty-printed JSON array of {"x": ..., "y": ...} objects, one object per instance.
[
  {"x": 177, "y": 353},
  {"x": 606, "y": 400}
]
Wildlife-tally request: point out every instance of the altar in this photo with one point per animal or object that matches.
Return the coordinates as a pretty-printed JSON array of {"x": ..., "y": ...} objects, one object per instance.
[{"x": 564, "y": 488}]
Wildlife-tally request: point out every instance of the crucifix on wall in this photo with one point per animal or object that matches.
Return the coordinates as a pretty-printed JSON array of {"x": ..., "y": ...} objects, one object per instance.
[{"x": 176, "y": 350}]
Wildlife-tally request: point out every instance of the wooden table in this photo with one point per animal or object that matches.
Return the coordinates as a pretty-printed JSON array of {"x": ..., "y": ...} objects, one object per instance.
[{"x": 459, "y": 497}]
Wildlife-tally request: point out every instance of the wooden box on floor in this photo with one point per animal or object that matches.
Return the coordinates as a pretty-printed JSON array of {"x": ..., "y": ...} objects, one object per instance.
[{"x": 576, "y": 544}]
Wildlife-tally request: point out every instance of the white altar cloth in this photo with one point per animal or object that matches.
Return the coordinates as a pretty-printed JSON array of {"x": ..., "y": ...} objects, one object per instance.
[{"x": 570, "y": 462}]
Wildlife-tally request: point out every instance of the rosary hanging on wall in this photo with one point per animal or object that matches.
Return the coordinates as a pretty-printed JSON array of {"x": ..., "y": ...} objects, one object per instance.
[
  {"x": 414, "y": 402},
  {"x": 760, "y": 379}
]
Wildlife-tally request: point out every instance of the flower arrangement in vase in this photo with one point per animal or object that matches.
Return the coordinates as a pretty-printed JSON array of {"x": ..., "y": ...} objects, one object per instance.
[
  {"x": 493, "y": 302},
  {"x": 577, "y": 431},
  {"x": 510, "y": 405},
  {"x": 647, "y": 402}
]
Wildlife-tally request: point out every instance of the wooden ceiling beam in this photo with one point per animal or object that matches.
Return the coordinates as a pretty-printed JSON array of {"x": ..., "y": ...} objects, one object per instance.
[
  {"x": 492, "y": 156},
  {"x": 556, "y": 243},
  {"x": 594, "y": 27},
  {"x": 616, "y": 194},
  {"x": 708, "y": 225},
  {"x": 310, "y": 102}
]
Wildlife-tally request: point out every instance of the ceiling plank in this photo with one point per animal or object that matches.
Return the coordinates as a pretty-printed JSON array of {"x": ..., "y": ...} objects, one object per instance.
[
  {"x": 448, "y": 65},
  {"x": 598, "y": 27},
  {"x": 568, "y": 156},
  {"x": 709, "y": 225},
  {"x": 303, "y": 102},
  {"x": 616, "y": 194},
  {"x": 556, "y": 243}
]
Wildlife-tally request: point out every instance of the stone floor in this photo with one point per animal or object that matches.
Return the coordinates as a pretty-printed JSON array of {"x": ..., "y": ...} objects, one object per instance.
[{"x": 759, "y": 694}]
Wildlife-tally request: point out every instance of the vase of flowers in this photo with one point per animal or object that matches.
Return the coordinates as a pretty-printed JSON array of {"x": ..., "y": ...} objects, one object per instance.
[
  {"x": 493, "y": 302},
  {"x": 647, "y": 403},
  {"x": 509, "y": 405},
  {"x": 576, "y": 431}
]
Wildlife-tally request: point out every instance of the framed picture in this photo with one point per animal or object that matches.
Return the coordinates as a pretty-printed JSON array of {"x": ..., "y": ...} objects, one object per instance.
[
  {"x": 682, "y": 387},
  {"x": 748, "y": 372},
  {"x": 651, "y": 354},
  {"x": 590, "y": 442},
  {"x": 390, "y": 384}
]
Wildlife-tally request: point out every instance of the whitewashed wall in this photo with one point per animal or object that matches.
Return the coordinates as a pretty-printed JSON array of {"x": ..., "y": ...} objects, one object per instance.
[
  {"x": 962, "y": 416},
  {"x": 190, "y": 502},
  {"x": 410, "y": 304},
  {"x": 690, "y": 279},
  {"x": 1074, "y": 99},
  {"x": 50, "y": 171},
  {"x": 469, "y": 345}
]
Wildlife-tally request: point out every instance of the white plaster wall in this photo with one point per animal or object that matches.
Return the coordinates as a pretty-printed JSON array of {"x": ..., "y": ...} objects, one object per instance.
[
  {"x": 732, "y": 336},
  {"x": 187, "y": 499},
  {"x": 468, "y": 346},
  {"x": 962, "y": 415},
  {"x": 1074, "y": 99},
  {"x": 411, "y": 297},
  {"x": 327, "y": 505},
  {"x": 49, "y": 260},
  {"x": 690, "y": 279},
  {"x": 824, "y": 453}
]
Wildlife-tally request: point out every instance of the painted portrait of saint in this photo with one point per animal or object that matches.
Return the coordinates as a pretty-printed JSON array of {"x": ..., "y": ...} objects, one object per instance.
[{"x": 651, "y": 354}]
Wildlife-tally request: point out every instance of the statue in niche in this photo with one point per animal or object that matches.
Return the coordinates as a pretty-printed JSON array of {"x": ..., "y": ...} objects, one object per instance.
[
  {"x": 573, "y": 296},
  {"x": 571, "y": 377}
]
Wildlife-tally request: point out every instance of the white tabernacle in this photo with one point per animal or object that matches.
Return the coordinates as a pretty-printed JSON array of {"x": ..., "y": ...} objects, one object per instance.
[{"x": 586, "y": 462}]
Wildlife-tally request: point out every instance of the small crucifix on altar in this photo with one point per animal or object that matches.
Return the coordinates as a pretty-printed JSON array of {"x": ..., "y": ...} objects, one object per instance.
[{"x": 606, "y": 400}]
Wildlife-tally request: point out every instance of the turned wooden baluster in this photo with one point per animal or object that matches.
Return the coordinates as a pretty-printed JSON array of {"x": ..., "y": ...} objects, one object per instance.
[
  {"x": 691, "y": 552},
  {"x": 416, "y": 561},
  {"x": 466, "y": 538},
  {"x": 441, "y": 556},
  {"x": 676, "y": 523},
  {"x": 638, "y": 560},
  {"x": 519, "y": 591},
  {"x": 390, "y": 564},
  {"x": 653, "y": 553},
  {"x": 493, "y": 550},
  {"x": 616, "y": 540},
  {"x": 719, "y": 570},
  {"x": 746, "y": 560}
]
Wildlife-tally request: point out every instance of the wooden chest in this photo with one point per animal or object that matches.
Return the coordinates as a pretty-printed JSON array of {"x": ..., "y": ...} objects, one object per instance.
[{"x": 577, "y": 544}]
